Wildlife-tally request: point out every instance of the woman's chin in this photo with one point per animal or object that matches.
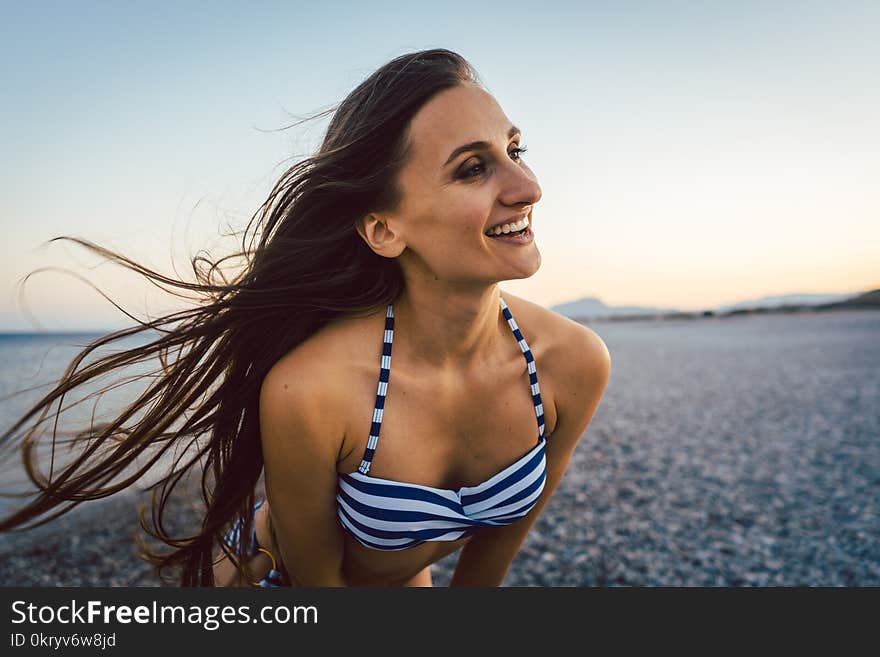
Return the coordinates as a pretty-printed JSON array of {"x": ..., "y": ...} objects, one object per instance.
[{"x": 524, "y": 272}]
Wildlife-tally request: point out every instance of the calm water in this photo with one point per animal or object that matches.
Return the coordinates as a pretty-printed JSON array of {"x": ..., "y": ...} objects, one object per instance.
[{"x": 29, "y": 363}]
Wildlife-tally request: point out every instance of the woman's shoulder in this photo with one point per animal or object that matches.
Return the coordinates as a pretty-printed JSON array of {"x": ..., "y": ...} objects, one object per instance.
[
  {"x": 576, "y": 366},
  {"x": 332, "y": 351},
  {"x": 571, "y": 357},
  {"x": 311, "y": 383},
  {"x": 558, "y": 334}
]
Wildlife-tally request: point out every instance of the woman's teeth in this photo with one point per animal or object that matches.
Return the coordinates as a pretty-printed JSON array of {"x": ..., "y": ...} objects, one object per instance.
[{"x": 508, "y": 228}]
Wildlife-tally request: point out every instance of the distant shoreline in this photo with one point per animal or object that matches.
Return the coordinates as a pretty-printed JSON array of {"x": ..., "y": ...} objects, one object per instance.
[
  {"x": 850, "y": 304},
  {"x": 868, "y": 301}
]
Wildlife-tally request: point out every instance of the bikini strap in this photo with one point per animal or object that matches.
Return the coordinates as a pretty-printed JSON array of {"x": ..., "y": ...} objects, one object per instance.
[
  {"x": 384, "y": 373},
  {"x": 530, "y": 364}
]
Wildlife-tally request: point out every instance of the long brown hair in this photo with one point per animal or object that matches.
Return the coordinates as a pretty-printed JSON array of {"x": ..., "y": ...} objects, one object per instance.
[{"x": 304, "y": 266}]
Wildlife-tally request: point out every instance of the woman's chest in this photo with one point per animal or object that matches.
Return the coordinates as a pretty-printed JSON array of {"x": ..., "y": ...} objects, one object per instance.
[
  {"x": 446, "y": 430},
  {"x": 444, "y": 434}
]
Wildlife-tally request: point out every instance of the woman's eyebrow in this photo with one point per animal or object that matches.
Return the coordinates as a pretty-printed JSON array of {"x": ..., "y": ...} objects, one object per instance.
[{"x": 478, "y": 145}]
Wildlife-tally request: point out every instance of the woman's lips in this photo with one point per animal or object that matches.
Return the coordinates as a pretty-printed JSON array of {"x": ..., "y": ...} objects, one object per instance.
[{"x": 525, "y": 237}]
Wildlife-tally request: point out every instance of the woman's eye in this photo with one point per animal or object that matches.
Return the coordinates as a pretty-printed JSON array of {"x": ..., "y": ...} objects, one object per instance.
[
  {"x": 467, "y": 172},
  {"x": 475, "y": 170},
  {"x": 519, "y": 151}
]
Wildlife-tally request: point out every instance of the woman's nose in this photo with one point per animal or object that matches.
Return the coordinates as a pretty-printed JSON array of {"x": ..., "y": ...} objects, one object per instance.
[{"x": 521, "y": 186}]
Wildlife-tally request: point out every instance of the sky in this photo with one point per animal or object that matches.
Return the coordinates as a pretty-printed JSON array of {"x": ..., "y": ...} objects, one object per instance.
[{"x": 690, "y": 154}]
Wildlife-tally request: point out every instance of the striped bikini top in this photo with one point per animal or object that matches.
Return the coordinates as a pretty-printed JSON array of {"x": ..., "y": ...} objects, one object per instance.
[{"x": 393, "y": 515}]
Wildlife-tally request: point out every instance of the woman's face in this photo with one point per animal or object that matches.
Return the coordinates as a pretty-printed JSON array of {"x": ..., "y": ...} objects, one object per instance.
[{"x": 450, "y": 196}]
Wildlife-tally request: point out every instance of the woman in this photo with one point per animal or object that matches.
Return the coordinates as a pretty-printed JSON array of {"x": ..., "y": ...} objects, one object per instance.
[{"x": 384, "y": 242}]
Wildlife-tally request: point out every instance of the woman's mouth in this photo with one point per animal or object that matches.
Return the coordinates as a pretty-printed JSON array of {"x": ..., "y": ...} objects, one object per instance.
[{"x": 524, "y": 236}]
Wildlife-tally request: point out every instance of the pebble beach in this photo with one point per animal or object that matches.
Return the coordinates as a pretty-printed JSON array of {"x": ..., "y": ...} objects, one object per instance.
[{"x": 740, "y": 451}]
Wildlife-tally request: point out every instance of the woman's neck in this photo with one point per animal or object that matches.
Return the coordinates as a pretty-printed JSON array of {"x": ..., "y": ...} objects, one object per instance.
[{"x": 445, "y": 329}]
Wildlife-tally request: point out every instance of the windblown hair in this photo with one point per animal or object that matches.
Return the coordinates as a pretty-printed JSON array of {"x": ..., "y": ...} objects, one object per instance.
[{"x": 305, "y": 265}]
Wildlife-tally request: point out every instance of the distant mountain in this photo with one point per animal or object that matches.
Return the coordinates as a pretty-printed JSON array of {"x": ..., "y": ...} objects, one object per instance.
[
  {"x": 865, "y": 299},
  {"x": 592, "y": 308},
  {"x": 786, "y": 300}
]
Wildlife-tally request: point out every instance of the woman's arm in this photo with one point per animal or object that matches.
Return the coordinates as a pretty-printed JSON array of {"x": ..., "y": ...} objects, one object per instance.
[
  {"x": 301, "y": 436},
  {"x": 485, "y": 559}
]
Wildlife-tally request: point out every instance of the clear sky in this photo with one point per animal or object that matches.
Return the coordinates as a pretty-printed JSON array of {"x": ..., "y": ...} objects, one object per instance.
[{"x": 691, "y": 154}]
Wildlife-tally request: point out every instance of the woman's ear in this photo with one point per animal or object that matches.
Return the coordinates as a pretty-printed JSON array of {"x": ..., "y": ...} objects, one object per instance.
[{"x": 376, "y": 231}]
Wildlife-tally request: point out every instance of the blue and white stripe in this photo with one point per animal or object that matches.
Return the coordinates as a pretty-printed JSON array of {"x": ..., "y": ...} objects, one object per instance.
[
  {"x": 393, "y": 515},
  {"x": 233, "y": 536}
]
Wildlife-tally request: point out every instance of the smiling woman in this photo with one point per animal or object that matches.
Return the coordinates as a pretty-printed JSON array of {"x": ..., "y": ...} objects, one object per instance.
[{"x": 395, "y": 234}]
